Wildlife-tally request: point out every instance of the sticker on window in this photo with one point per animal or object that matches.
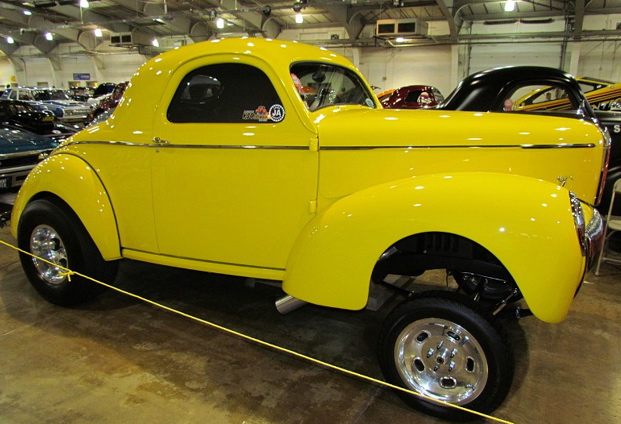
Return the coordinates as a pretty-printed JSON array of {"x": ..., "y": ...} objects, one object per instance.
[{"x": 276, "y": 113}]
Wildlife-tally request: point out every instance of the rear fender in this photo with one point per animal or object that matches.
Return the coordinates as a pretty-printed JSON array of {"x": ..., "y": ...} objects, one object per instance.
[
  {"x": 526, "y": 223},
  {"x": 77, "y": 184}
]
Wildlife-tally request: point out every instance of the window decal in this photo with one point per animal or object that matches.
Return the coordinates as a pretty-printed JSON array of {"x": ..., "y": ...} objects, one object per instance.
[{"x": 276, "y": 113}]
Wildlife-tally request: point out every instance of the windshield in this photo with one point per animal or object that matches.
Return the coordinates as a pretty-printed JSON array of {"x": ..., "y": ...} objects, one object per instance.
[
  {"x": 43, "y": 95},
  {"x": 321, "y": 85}
]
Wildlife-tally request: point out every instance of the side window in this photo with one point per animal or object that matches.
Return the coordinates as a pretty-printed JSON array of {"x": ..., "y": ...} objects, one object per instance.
[
  {"x": 322, "y": 85},
  {"x": 413, "y": 96},
  {"x": 539, "y": 98},
  {"x": 226, "y": 93},
  {"x": 13, "y": 95}
]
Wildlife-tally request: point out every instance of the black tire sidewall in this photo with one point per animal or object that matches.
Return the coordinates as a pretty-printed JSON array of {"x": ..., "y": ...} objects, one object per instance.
[
  {"x": 485, "y": 328},
  {"x": 80, "y": 250}
]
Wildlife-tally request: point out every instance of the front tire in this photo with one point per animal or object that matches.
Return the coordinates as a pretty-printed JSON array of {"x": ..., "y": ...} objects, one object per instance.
[
  {"x": 447, "y": 347},
  {"x": 52, "y": 231}
]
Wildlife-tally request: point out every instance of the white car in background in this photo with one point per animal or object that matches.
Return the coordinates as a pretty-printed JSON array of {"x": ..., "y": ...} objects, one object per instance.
[{"x": 65, "y": 109}]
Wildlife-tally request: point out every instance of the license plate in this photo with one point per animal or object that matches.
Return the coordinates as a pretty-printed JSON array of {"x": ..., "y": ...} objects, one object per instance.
[
  {"x": 5, "y": 183},
  {"x": 48, "y": 118}
]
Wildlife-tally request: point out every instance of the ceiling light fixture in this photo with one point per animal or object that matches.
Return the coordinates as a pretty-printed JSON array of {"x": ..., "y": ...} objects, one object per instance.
[
  {"x": 27, "y": 13},
  {"x": 510, "y": 6},
  {"x": 155, "y": 42},
  {"x": 219, "y": 23},
  {"x": 98, "y": 32},
  {"x": 10, "y": 40},
  {"x": 84, "y": 4},
  {"x": 49, "y": 36},
  {"x": 299, "y": 18}
]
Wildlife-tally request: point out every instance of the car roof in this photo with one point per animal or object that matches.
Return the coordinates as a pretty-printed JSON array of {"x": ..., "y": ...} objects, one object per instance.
[{"x": 475, "y": 91}]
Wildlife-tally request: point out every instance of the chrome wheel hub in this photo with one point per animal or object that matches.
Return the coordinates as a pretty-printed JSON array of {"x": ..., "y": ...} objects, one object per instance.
[
  {"x": 442, "y": 360},
  {"x": 47, "y": 244}
]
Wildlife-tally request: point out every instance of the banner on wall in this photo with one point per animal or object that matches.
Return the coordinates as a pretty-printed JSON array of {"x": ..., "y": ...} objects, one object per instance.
[{"x": 82, "y": 77}]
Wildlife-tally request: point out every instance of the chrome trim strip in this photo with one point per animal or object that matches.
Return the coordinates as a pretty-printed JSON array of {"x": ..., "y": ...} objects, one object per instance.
[
  {"x": 271, "y": 147},
  {"x": 205, "y": 261},
  {"x": 472, "y": 146},
  {"x": 191, "y": 146},
  {"x": 8, "y": 156}
]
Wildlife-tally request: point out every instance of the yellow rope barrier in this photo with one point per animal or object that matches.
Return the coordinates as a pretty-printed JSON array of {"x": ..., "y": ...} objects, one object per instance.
[{"x": 67, "y": 272}]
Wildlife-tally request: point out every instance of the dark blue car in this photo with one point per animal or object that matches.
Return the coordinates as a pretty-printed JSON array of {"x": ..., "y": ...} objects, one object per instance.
[{"x": 20, "y": 151}]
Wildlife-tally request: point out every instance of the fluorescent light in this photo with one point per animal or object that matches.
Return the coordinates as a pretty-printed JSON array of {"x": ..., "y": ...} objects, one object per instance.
[
  {"x": 27, "y": 12},
  {"x": 299, "y": 18},
  {"x": 220, "y": 23},
  {"x": 400, "y": 40},
  {"x": 510, "y": 6},
  {"x": 98, "y": 32},
  {"x": 10, "y": 40},
  {"x": 155, "y": 42},
  {"x": 49, "y": 36},
  {"x": 84, "y": 4}
]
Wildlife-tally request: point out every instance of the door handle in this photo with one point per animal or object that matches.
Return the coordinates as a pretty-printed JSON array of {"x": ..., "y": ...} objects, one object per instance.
[{"x": 160, "y": 141}]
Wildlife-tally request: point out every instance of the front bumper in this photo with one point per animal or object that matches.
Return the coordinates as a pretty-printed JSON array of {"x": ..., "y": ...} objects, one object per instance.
[{"x": 593, "y": 239}]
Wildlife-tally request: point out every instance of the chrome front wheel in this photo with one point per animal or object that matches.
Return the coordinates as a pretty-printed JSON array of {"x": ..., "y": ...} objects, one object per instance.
[
  {"x": 442, "y": 360},
  {"x": 447, "y": 348}
]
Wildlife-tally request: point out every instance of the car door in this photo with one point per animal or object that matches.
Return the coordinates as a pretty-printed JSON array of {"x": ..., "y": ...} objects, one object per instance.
[{"x": 235, "y": 178}]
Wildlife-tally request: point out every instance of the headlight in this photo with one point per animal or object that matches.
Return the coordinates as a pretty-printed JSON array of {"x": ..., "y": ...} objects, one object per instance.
[{"x": 59, "y": 112}]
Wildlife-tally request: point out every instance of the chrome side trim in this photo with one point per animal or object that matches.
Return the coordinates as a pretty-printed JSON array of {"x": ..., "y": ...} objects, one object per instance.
[
  {"x": 167, "y": 145},
  {"x": 5, "y": 156},
  {"x": 336, "y": 148},
  {"x": 471, "y": 146}
]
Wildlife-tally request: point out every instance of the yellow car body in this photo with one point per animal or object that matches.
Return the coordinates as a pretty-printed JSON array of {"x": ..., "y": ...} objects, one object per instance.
[{"x": 317, "y": 196}]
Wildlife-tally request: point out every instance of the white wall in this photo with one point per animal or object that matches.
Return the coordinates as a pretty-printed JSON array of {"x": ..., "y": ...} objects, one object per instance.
[
  {"x": 600, "y": 59},
  {"x": 393, "y": 68},
  {"x": 6, "y": 72},
  {"x": 68, "y": 59}
]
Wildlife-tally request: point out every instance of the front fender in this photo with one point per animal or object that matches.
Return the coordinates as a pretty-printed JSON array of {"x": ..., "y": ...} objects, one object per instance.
[
  {"x": 526, "y": 223},
  {"x": 76, "y": 183}
]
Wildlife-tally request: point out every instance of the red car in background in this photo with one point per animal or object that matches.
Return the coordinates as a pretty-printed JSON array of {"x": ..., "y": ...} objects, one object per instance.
[
  {"x": 108, "y": 101},
  {"x": 411, "y": 97}
]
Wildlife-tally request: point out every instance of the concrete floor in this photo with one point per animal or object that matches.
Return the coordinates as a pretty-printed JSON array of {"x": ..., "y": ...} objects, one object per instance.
[{"x": 119, "y": 360}]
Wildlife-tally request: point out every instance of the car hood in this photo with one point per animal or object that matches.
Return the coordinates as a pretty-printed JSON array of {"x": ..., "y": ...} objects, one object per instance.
[
  {"x": 395, "y": 144},
  {"x": 389, "y": 128},
  {"x": 14, "y": 140}
]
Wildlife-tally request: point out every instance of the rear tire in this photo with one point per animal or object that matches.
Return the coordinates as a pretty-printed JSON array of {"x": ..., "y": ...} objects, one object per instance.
[
  {"x": 447, "y": 347},
  {"x": 52, "y": 231}
]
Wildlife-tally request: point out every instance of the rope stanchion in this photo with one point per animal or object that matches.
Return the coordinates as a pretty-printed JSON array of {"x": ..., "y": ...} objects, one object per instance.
[{"x": 68, "y": 272}]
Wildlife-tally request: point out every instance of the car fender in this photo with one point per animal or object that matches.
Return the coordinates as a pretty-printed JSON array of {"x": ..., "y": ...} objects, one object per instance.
[
  {"x": 526, "y": 223},
  {"x": 77, "y": 184}
]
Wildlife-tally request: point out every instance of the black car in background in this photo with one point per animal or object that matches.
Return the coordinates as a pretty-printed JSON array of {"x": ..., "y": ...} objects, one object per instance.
[
  {"x": 23, "y": 115},
  {"x": 504, "y": 90}
]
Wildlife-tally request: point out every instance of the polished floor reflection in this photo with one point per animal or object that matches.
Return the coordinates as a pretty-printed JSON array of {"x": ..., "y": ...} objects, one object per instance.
[{"x": 120, "y": 360}]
